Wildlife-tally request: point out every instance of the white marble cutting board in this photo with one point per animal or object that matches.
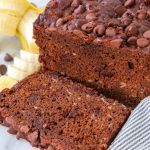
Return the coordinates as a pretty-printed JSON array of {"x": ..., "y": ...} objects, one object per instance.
[{"x": 12, "y": 46}]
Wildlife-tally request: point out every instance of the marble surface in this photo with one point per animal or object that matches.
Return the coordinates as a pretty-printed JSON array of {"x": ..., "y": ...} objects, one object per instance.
[{"x": 12, "y": 46}]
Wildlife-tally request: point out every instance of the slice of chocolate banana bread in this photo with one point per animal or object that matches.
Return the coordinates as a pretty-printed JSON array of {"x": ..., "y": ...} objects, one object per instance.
[
  {"x": 53, "y": 113},
  {"x": 104, "y": 43}
]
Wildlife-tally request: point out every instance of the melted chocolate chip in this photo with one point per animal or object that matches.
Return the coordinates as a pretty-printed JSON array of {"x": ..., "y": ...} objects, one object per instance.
[{"x": 34, "y": 97}]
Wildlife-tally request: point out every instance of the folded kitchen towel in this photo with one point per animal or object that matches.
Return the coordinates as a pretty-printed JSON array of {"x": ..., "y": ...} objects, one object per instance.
[{"x": 135, "y": 134}]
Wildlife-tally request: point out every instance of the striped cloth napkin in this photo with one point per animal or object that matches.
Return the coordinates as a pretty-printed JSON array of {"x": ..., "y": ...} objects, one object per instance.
[{"x": 135, "y": 134}]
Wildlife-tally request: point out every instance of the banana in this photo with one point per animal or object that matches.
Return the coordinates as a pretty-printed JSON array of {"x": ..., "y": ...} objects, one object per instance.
[
  {"x": 30, "y": 57},
  {"x": 26, "y": 29},
  {"x": 19, "y": 6},
  {"x": 15, "y": 73},
  {"x": 22, "y": 40},
  {"x": 8, "y": 22},
  {"x": 25, "y": 66},
  {"x": 6, "y": 82}
]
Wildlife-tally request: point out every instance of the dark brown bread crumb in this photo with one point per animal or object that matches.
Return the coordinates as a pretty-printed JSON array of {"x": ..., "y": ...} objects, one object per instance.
[
  {"x": 54, "y": 113},
  {"x": 104, "y": 44}
]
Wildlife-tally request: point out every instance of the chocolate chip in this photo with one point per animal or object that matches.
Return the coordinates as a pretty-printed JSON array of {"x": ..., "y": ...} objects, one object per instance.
[
  {"x": 88, "y": 27},
  {"x": 8, "y": 57},
  {"x": 120, "y": 10},
  {"x": 147, "y": 2},
  {"x": 34, "y": 97},
  {"x": 78, "y": 23},
  {"x": 116, "y": 43},
  {"x": 9, "y": 120},
  {"x": 142, "y": 29},
  {"x": 147, "y": 34},
  {"x": 79, "y": 10},
  {"x": 64, "y": 3},
  {"x": 91, "y": 17},
  {"x": 114, "y": 22},
  {"x": 129, "y": 3},
  {"x": 73, "y": 114},
  {"x": 142, "y": 42},
  {"x": 110, "y": 32},
  {"x": 131, "y": 30},
  {"x": 59, "y": 22},
  {"x": 141, "y": 15},
  {"x": 11, "y": 130},
  {"x": 99, "y": 30},
  {"x": 3, "y": 69},
  {"x": 126, "y": 21},
  {"x": 75, "y": 3},
  {"x": 132, "y": 40},
  {"x": 52, "y": 4}
]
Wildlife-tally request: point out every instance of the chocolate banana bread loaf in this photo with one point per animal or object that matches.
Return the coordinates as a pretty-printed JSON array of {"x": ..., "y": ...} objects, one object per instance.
[
  {"x": 53, "y": 113},
  {"x": 103, "y": 43}
]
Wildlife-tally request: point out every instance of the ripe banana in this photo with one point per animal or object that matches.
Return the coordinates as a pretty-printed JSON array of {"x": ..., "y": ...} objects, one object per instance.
[
  {"x": 6, "y": 82},
  {"x": 30, "y": 57},
  {"x": 8, "y": 22},
  {"x": 15, "y": 73},
  {"x": 25, "y": 66},
  {"x": 22, "y": 40},
  {"x": 26, "y": 29},
  {"x": 19, "y": 6}
]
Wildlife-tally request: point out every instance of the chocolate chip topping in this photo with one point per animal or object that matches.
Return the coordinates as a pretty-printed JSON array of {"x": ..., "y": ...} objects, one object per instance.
[
  {"x": 142, "y": 42},
  {"x": 131, "y": 30},
  {"x": 110, "y": 19},
  {"x": 88, "y": 27},
  {"x": 110, "y": 32},
  {"x": 3, "y": 69},
  {"x": 129, "y": 3},
  {"x": 120, "y": 10},
  {"x": 132, "y": 40},
  {"x": 147, "y": 34},
  {"x": 99, "y": 30}
]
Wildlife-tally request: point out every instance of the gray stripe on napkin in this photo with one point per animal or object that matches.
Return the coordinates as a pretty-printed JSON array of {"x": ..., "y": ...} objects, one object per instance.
[{"x": 135, "y": 134}]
